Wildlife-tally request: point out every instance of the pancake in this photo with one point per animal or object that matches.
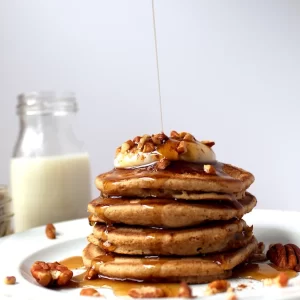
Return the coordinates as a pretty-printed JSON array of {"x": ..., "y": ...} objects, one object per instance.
[
  {"x": 194, "y": 269},
  {"x": 209, "y": 238},
  {"x": 165, "y": 212},
  {"x": 185, "y": 195},
  {"x": 178, "y": 176}
]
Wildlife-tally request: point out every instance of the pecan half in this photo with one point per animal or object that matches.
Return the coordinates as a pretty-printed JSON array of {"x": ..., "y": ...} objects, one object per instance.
[
  {"x": 50, "y": 231},
  {"x": 51, "y": 274},
  {"x": 284, "y": 256},
  {"x": 146, "y": 292}
]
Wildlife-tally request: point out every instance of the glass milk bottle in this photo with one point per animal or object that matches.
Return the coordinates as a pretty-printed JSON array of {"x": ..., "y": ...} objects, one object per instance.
[{"x": 50, "y": 171}]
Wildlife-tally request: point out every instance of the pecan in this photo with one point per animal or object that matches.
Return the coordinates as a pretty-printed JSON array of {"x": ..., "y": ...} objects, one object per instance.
[
  {"x": 208, "y": 143},
  {"x": 148, "y": 147},
  {"x": 231, "y": 296},
  {"x": 91, "y": 274},
  {"x": 181, "y": 148},
  {"x": 127, "y": 146},
  {"x": 162, "y": 164},
  {"x": 175, "y": 135},
  {"x": 217, "y": 286},
  {"x": 10, "y": 280},
  {"x": 209, "y": 169},
  {"x": 284, "y": 256},
  {"x": 281, "y": 280},
  {"x": 89, "y": 292},
  {"x": 51, "y": 274},
  {"x": 142, "y": 141},
  {"x": 147, "y": 292},
  {"x": 137, "y": 139},
  {"x": 188, "y": 137},
  {"x": 50, "y": 231},
  {"x": 185, "y": 291},
  {"x": 159, "y": 138}
]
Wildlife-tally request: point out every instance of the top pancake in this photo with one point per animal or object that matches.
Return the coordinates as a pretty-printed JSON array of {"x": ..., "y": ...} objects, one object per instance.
[{"x": 178, "y": 176}]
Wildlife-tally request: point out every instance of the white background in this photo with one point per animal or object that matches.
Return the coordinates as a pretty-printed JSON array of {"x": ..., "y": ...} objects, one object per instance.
[{"x": 230, "y": 72}]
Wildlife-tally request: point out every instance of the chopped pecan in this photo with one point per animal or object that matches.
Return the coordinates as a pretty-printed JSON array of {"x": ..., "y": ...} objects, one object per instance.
[
  {"x": 127, "y": 146},
  {"x": 217, "y": 286},
  {"x": 10, "y": 280},
  {"x": 209, "y": 169},
  {"x": 208, "y": 143},
  {"x": 51, "y": 274},
  {"x": 142, "y": 141},
  {"x": 159, "y": 138},
  {"x": 148, "y": 147},
  {"x": 284, "y": 256},
  {"x": 147, "y": 292},
  {"x": 231, "y": 296},
  {"x": 50, "y": 231},
  {"x": 137, "y": 139},
  {"x": 91, "y": 274},
  {"x": 175, "y": 135},
  {"x": 181, "y": 148},
  {"x": 185, "y": 291},
  {"x": 281, "y": 280},
  {"x": 188, "y": 137},
  {"x": 90, "y": 292},
  {"x": 162, "y": 164}
]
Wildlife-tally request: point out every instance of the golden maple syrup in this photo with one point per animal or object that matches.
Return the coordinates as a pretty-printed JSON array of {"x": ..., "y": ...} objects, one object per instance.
[
  {"x": 255, "y": 271},
  {"x": 260, "y": 271}
]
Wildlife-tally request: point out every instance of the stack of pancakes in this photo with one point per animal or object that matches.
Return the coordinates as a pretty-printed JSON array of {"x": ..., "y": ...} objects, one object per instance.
[{"x": 172, "y": 219}]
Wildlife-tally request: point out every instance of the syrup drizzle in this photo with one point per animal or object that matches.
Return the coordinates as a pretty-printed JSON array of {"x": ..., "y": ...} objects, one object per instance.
[{"x": 157, "y": 66}]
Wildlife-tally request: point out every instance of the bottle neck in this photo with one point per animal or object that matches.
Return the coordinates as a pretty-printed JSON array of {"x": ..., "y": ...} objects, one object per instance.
[{"x": 47, "y": 135}]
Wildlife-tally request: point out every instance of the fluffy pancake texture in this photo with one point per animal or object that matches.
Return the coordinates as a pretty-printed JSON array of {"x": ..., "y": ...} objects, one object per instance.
[
  {"x": 195, "y": 269},
  {"x": 168, "y": 213},
  {"x": 220, "y": 236}
]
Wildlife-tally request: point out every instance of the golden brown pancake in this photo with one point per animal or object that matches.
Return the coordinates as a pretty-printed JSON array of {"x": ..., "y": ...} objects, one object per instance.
[
  {"x": 131, "y": 240},
  {"x": 166, "y": 212},
  {"x": 194, "y": 269},
  {"x": 178, "y": 176}
]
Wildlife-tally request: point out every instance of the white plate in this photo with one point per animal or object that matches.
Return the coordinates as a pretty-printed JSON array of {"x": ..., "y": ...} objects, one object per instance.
[{"x": 19, "y": 251}]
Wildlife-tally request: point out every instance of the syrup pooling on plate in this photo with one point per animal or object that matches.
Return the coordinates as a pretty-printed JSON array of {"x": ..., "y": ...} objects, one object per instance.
[
  {"x": 252, "y": 271},
  {"x": 121, "y": 288},
  {"x": 261, "y": 271}
]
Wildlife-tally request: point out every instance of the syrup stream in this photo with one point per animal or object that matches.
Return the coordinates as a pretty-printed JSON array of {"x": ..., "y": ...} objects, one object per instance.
[{"x": 157, "y": 66}]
